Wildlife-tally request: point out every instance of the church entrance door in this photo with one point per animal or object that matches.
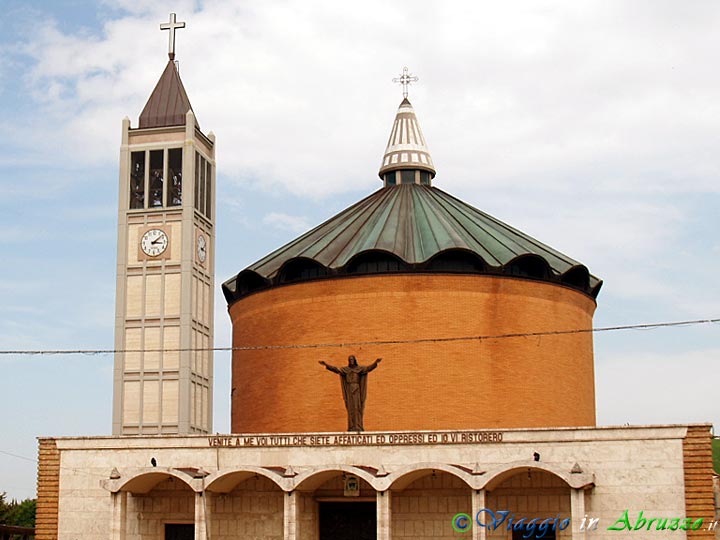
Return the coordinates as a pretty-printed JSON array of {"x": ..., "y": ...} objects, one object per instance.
[
  {"x": 348, "y": 521},
  {"x": 179, "y": 531}
]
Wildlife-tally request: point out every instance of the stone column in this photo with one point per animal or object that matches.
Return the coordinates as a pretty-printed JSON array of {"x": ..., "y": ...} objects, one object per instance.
[
  {"x": 577, "y": 512},
  {"x": 290, "y": 516},
  {"x": 478, "y": 503},
  {"x": 119, "y": 515},
  {"x": 384, "y": 515},
  {"x": 200, "y": 516}
]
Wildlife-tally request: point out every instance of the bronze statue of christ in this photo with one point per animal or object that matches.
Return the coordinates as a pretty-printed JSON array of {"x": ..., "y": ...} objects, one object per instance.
[{"x": 353, "y": 380}]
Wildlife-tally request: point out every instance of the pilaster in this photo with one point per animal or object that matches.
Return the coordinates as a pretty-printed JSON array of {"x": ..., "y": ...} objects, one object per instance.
[
  {"x": 200, "y": 516},
  {"x": 118, "y": 525},
  {"x": 290, "y": 516},
  {"x": 478, "y": 503},
  {"x": 384, "y": 515},
  {"x": 577, "y": 512}
]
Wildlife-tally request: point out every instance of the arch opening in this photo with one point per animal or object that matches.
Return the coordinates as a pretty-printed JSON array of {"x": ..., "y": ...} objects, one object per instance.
[
  {"x": 375, "y": 262},
  {"x": 301, "y": 269},
  {"x": 577, "y": 277},
  {"x": 532, "y": 266},
  {"x": 456, "y": 261}
]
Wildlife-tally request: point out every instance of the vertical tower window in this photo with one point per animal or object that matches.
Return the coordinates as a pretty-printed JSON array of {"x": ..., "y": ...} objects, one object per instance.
[
  {"x": 203, "y": 171},
  {"x": 203, "y": 185},
  {"x": 137, "y": 180},
  {"x": 208, "y": 191},
  {"x": 198, "y": 164},
  {"x": 156, "y": 178},
  {"x": 425, "y": 178},
  {"x": 174, "y": 197}
]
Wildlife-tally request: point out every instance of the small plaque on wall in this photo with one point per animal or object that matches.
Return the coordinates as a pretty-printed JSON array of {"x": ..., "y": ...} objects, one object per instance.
[{"x": 352, "y": 486}]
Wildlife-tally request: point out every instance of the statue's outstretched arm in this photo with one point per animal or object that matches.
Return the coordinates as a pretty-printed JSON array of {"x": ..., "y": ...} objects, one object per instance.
[
  {"x": 329, "y": 367},
  {"x": 373, "y": 365}
]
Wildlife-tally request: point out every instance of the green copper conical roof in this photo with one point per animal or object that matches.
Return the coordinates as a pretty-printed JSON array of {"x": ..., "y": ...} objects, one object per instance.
[{"x": 411, "y": 228}]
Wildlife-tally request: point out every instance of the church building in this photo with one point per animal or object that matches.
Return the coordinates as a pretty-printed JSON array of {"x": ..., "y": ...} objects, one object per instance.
[{"x": 442, "y": 374}]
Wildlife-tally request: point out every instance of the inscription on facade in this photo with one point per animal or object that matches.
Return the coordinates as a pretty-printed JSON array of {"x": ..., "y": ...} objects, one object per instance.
[{"x": 363, "y": 439}]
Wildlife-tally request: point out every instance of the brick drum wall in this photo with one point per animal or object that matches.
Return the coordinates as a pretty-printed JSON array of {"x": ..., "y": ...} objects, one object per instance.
[
  {"x": 539, "y": 381},
  {"x": 48, "y": 490},
  {"x": 699, "y": 497}
]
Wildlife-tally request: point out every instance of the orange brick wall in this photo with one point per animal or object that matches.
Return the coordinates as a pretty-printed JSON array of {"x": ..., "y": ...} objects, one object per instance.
[
  {"x": 48, "y": 490},
  {"x": 699, "y": 496},
  {"x": 495, "y": 383}
]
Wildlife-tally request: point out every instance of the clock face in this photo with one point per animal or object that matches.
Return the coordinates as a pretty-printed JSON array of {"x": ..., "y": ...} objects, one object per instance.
[
  {"x": 154, "y": 242},
  {"x": 202, "y": 248}
]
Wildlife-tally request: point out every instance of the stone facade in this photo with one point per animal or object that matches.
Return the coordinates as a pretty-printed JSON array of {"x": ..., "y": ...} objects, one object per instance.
[{"x": 267, "y": 488}]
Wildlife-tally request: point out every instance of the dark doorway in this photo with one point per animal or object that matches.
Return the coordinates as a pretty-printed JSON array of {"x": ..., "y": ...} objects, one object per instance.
[
  {"x": 179, "y": 531},
  {"x": 348, "y": 521}
]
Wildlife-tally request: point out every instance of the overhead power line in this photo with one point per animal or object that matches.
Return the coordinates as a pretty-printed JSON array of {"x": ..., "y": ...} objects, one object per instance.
[
  {"x": 17, "y": 456},
  {"x": 644, "y": 326}
]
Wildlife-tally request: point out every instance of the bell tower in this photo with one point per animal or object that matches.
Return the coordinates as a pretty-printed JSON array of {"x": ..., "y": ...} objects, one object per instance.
[{"x": 165, "y": 266}]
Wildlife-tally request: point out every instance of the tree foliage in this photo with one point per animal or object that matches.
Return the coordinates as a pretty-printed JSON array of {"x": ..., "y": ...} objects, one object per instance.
[{"x": 19, "y": 514}]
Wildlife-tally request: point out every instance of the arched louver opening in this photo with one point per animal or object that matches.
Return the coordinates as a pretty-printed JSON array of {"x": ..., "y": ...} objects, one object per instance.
[
  {"x": 458, "y": 261},
  {"x": 375, "y": 262},
  {"x": 532, "y": 266},
  {"x": 300, "y": 269},
  {"x": 578, "y": 277}
]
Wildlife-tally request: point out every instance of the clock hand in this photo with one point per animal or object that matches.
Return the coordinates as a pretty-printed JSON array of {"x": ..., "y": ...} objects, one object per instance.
[{"x": 156, "y": 241}]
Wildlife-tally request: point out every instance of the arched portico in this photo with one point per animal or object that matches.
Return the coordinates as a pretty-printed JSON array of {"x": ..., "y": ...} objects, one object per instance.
[
  {"x": 333, "y": 496},
  {"x": 147, "y": 503},
  {"x": 245, "y": 504},
  {"x": 312, "y": 479},
  {"x": 572, "y": 475},
  {"x": 144, "y": 480},
  {"x": 417, "y": 500},
  {"x": 224, "y": 481},
  {"x": 404, "y": 476},
  {"x": 425, "y": 496},
  {"x": 547, "y": 498}
]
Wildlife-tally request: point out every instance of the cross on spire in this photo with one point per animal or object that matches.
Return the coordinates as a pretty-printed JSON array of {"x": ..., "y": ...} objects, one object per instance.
[
  {"x": 405, "y": 79},
  {"x": 172, "y": 26}
]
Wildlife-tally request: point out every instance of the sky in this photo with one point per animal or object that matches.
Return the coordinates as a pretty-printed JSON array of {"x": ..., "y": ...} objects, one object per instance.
[{"x": 592, "y": 126}]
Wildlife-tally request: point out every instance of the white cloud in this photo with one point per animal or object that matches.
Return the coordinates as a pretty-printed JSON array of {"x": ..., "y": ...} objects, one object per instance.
[
  {"x": 658, "y": 388},
  {"x": 286, "y": 222},
  {"x": 299, "y": 93}
]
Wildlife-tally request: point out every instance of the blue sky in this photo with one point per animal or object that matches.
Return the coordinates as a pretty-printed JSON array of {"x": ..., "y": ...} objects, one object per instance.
[{"x": 593, "y": 126}]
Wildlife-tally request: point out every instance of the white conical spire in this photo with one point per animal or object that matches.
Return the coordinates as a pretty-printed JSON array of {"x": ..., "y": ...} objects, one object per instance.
[{"x": 406, "y": 148}]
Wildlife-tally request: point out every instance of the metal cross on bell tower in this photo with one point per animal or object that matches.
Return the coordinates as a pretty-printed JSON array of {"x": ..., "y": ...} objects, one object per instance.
[
  {"x": 405, "y": 79},
  {"x": 172, "y": 26}
]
